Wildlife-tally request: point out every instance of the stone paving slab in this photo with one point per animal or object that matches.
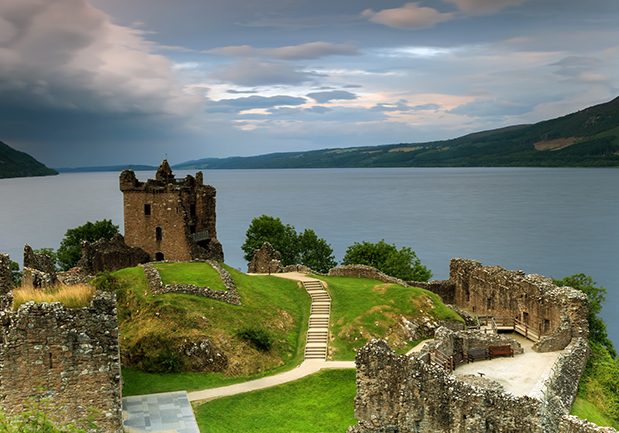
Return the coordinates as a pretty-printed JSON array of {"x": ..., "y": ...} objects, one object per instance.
[{"x": 158, "y": 413}]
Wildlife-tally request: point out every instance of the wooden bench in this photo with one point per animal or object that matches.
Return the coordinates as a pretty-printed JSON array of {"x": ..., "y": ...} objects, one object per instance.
[
  {"x": 496, "y": 351},
  {"x": 477, "y": 354}
]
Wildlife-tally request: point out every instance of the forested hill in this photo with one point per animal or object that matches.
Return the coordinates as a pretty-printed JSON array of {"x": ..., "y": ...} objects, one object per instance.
[
  {"x": 14, "y": 163},
  {"x": 587, "y": 138}
]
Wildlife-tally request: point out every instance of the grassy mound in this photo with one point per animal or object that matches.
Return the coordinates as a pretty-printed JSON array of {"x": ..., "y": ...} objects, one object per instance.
[
  {"x": 363, "y": 309},
  {"x": 77, "y": 296},
  {"x": 155, "y": 328},
  {"x": 196, "y": 273},
  {"x": 598, "y": 393},
  {"x": 323, "y": 402}
]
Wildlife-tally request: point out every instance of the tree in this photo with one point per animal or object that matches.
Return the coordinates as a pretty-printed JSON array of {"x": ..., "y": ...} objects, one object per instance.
[
  {"x": 315, "y": 252},
  {"x": 15, "y": 274},
  {"x": 305, "y": 248},
  {"x": 71, "y": 246},
  {"x": 282, "y": 237},
  {"x": 402, "y": 263},
  {"x": 597, "y": 296}
]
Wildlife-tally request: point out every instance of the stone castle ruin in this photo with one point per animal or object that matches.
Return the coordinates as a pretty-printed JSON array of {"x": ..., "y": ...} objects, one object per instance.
[
  {"x": 66, "y": 359},
  {"x": 171, "y": 219},
  {"x": 419, "y": 394}
]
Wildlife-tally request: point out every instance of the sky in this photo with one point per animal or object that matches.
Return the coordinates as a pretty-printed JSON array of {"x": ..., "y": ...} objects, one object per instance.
[{"x": 99, "y": 82}]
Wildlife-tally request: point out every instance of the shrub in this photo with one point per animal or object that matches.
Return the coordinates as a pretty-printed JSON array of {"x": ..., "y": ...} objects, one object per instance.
[
  {"x": 257, "y": 337},
  {"x": 156, "y": 353},
  {"x": 402, "y": 263},
  {"x": 76, "y": 296}
]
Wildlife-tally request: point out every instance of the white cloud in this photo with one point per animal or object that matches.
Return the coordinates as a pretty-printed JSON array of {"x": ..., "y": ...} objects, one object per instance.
[
  {"x": 483, "y": 7},
  {"x": 409, "y": 16}
]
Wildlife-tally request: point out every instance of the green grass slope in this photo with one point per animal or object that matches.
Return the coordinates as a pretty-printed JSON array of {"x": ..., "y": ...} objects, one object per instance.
[
  {"x": 594, "y": 132},
  {"x": 598, "y": 392},
  {"x": 153, "y": 328},
  {"x": 323, "y": 402},
  {"x": 362, "y": 309},
  {"x": 14, "y": 163}
]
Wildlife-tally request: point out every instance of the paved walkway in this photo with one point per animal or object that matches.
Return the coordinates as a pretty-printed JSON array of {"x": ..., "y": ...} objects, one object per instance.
[
  {"x": 166, "y": 412},
  {"x": 521, "y": 375}
]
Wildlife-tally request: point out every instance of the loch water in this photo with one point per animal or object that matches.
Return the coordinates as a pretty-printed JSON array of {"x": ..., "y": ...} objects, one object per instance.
[{"x": 555, "y": 222}]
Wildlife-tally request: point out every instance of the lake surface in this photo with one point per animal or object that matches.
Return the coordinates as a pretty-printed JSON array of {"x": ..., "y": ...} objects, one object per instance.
[{"x": 555, "y": 222}]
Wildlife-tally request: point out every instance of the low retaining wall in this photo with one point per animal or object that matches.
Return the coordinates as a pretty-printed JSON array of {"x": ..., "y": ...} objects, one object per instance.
[
  {"x": 444, "y": 288},
  {"x": 230, "y": 295},
  {"x": 363, "y": 271}
]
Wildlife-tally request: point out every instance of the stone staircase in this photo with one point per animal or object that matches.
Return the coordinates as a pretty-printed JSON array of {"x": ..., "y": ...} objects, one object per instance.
[{"x": 318, "y": 330}]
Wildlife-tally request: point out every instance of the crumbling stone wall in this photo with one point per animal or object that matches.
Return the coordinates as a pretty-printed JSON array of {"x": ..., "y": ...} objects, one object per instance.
[
  {"x": 444, "y": 288},
  {"x": 39, "y": 269},
  {"x": 364, "y": 271},
  {"x": 230, "y": 295},
  {"x": 6, "y": 282},
  {"x": 266, "y": 260},
  {"x": 171, "y": 219},
  {"x": 557, "y": 314},
  {"x": 110, "y": 255},
  {"x": 409, "y": 395},
  {"x": 451, "y": 342},
  {"x": 69, "y": 356}
]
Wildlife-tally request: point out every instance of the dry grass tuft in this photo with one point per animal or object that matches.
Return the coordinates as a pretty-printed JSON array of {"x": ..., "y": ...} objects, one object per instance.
[{"x": 76, "y": 296}]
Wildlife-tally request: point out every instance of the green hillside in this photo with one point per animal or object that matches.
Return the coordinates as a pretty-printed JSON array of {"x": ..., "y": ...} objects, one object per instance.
[
  {"x": 587, "y": 138},
  {"x": 14, "y": 163}
]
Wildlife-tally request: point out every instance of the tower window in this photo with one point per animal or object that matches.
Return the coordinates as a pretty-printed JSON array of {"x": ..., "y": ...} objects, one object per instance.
[
  {"x": 147, "y": 209},
  {"x": 192, "y": 210},
  {"x": 158, "y": 233}
]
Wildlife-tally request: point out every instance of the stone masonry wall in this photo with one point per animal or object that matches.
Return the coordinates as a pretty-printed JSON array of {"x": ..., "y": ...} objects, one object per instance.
[
  {"x": 398, "y": 394},
  {"x": 444, "y": 288},
  {"x": 110, "y": 255},
  {"x": 230, "y": 295},
  {"x": 69, "y": 356},
  {"x": 6, "y": 282},
  {"x": 557, "y": 313},
  {"x": 266, "y": 260},
  {"x": 363, "y": 271}
]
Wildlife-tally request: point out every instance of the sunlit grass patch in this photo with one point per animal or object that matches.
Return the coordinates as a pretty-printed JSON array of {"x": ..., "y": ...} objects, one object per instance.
[{"x": 76, "y": 296}]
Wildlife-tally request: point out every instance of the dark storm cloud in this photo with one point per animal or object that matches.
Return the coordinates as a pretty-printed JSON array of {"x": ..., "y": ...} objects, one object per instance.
[{"x": 254, "y": 72}]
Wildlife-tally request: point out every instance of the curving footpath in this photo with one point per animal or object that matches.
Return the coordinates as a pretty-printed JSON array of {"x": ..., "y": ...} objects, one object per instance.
[{"x": 315, "y": 349}]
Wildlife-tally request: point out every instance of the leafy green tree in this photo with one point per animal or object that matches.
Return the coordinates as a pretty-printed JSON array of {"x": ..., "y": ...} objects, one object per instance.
[
  {"x": 15, "y": 275},
  {"x": 597, "y": 296},
  {"x": 315, "y": 252},
  {"x": 400, "y": 263},
  {"x": 71, "y": 246},
  {"x": 282, "y": 236},
  {"x": 305, "y": 248}
]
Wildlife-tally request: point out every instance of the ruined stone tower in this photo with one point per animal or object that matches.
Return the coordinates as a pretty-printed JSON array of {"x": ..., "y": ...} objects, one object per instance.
[{"x": 171, "y": 219}]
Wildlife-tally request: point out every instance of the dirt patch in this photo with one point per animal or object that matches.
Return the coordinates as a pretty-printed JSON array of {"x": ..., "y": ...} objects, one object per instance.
[
  {"x": 556, "y": 144},
  {"x": 380, "y": 288},
  {"x": 405, "y": 149}
]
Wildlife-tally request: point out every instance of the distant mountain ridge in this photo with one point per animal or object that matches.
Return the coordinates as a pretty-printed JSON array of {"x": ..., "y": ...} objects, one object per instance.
[
  {"x": 14, "y": 163},
  {"x": 587, "y": 138}
]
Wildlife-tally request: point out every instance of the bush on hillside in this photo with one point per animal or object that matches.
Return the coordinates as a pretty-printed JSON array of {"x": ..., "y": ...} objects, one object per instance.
[
  {"x": 401, "y": 263},
  {"x": 257, "y": 337}
]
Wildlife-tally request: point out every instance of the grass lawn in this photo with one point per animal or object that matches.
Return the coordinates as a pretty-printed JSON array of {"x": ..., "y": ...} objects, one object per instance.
[
  {"x": 153, "y": 326},
  {"x": 196, "y": 273},
  {"x": 362, "y": 309},
  {"x": 322, "y": 402},
  {"x": 587, "y": 410}
]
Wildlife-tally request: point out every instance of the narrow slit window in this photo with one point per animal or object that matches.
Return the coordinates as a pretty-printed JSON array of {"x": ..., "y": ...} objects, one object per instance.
[
  {"x": 158, "y": 233},
  {"x": 147, "y": 209}
]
